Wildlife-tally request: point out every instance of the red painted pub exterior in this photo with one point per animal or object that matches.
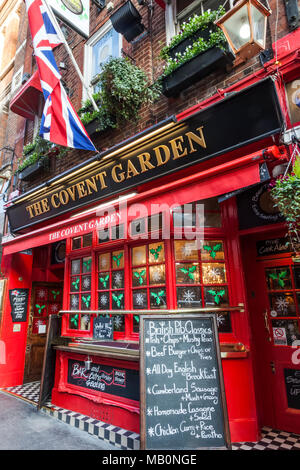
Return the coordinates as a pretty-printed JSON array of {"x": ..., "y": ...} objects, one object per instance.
[{"x": 211, "y": 163}]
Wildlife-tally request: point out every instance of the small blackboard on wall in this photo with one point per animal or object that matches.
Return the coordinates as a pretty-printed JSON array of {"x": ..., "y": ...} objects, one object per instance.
[
  {"x": 292, "y": 386},
  {"x": 19, "y": 302},
  {"x": 103, "y": 328},
  {"x": 182, "y": 401}
]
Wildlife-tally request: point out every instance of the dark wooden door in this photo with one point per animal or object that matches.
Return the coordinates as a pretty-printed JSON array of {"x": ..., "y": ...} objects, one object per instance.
[{"x": 46, "y": 299}]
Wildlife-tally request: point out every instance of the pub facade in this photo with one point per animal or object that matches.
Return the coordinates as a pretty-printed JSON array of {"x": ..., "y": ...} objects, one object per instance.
[{"x": 175, "y": 217}]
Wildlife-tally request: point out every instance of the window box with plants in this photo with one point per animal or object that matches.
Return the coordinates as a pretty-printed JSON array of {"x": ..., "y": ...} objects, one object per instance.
[
  {"x": 36, "y": 158},
  {"x": 124, "y": 88},
  {"x": 197, "y": 50},
  {"x": 285, "y": 192}
]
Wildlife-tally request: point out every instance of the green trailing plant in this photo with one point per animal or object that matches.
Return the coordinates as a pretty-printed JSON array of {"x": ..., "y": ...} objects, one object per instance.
[
  {"x": 188, "y": 29},
  {"x": 38, "y": 150},
  {"x": 285, "y": 192},
  {"x": 124, "y": 88}
]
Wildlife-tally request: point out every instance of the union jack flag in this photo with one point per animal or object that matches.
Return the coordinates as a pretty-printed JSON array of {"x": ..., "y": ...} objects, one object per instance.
[{"x": 60, "y": 123}]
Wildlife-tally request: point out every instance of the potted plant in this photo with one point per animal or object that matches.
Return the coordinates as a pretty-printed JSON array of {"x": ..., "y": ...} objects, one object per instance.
[
  {"x": 35, "y": 157},
  {"x": 197, "y": 50},
  {"x": 285, "y": 191},
  {"x": 124, "y": 88}
]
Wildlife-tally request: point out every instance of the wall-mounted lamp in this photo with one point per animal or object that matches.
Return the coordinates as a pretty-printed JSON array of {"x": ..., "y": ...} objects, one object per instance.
[
  {"x": 127, "y": 21},
  {"x": 245, "y": 27},
  {"x": 87, "y": 363}
]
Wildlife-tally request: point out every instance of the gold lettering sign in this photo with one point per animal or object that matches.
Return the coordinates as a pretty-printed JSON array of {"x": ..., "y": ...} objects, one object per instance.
[{"x": 178, "y": 148}]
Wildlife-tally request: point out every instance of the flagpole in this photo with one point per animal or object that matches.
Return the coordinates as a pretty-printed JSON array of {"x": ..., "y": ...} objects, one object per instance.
[{"x": 63, "y": 39}]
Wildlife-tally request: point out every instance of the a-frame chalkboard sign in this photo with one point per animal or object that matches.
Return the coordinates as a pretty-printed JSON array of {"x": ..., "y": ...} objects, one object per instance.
[{"x": 183, "y": 404}]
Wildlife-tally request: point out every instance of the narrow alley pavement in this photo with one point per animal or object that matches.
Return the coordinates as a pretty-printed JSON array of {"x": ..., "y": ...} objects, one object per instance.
[{"x": 24, "y": 428}]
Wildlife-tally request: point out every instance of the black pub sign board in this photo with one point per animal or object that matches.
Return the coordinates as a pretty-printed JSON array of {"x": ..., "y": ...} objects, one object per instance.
[
  {"x": 18, "y": 301},
  {"x": 117, "y": 381},
  {"x": 235, "y": 121},
  {"x": 183, "y": 403}
]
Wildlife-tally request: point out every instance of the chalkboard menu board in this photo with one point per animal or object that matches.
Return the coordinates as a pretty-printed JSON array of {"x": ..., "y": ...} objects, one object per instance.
[
  {"x": 18, "y": 301},
  {"x": 104, "y": 378},
  {"x": 183, "y": 402},
  {"x": 292, "y": 385},
  {"x": 103, "y": 328}
]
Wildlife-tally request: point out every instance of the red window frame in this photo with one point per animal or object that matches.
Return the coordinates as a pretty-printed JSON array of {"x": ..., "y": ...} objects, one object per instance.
[{"x": 226, "y": 232}]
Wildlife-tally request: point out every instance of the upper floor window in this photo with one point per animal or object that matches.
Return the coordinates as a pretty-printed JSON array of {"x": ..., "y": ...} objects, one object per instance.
[
  {"x": 103, "y": 44},
  {"x": 180, "y": 11}
]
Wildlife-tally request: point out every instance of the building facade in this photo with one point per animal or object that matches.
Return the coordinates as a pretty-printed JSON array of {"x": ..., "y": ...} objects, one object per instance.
[{"x": 173, "y": 212}]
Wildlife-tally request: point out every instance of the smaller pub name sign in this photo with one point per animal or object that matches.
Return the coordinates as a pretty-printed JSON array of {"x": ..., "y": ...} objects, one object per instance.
[{"x": 202, "y": 136}]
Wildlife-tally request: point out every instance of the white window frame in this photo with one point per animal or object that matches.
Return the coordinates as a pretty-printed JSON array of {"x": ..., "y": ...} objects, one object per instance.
[
  {"x": 88, "y": 56},
  {"x": 171, "y": 17}
]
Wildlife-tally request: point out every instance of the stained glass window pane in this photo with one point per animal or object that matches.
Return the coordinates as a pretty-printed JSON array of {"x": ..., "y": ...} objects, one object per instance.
[
  {"x": 104, "y": 280},
  {"x": 189, "y": 297},
  {"x": 279, "y": 278},
  {"x": 74, "y": 321},
  {"x": 117, "y": 300},
  {"x": 139, "y": 277},
  {"x": 86, "y": 283},
  {"x": 117, "y": 279},
  {"x": 87, "y": 264},
  {"x": 186, "y": 250},
  {"x": 139, "y": 255},
  {"x": 187, "y": 273},
  {"x": 156, "y": 252},
  {"x": 139, "y": 298},
  {"x": 104, "y": 261},
  {"x": 76, "y": 243},
  {"x": 85, "y": 301},
  {"x": 158, "y": 298},
  {"x": 75, "y": 266},
  {"x": 157, "y": 274},
  {"x": 118, "y": 259},
  {"x": 282, "y": 305},
  {"x": 213, "y": 273},
  {"x": 75, "y": 284},
  {"x": 103, "y": 301},
  {"x": 216, "y": 296},
  {"x": 119, "y": 322},
  {"x": 212, "y": 250},
  {"x": 85, "y": 322},
  {"x": 74, "y": 302},
  {"x": 87, "y": 240}
]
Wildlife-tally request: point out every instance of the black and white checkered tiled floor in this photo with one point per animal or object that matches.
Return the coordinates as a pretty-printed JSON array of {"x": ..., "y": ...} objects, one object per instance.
[{"x": 271, "y": 438}]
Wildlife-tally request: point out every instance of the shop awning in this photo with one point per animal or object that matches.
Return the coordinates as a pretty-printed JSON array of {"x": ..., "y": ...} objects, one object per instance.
[
  {"x": 26, "y": 101},
  {"x": 161, "y": 3},
  {"x": 216, "y": 181}
]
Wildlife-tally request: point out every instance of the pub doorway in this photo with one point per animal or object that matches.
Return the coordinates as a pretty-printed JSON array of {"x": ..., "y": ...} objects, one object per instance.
[
  {"x": 273, "y": 289},
  {"x": 46, "y": 300}
]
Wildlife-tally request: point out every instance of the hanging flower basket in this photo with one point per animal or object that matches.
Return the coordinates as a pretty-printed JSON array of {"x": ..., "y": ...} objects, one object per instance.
[
  {"x": 195, "y": 69},
  {"x": 285, "y": 192}
]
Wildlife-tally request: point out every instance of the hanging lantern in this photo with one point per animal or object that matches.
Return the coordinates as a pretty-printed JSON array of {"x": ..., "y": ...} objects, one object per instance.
[{"x": 245, "y": 27}]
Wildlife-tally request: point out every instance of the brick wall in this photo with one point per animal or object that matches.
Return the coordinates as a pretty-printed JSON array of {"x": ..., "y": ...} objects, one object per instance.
[{"x": 146, "y": 55}]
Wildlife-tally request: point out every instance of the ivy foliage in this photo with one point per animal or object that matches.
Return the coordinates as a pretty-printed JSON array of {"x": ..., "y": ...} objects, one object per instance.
[
  {"x": 37, "y": 150},
  {"x": 124, "y": 88},
  {"x": 188, "y": 29},
  {"x": 285, "y": 192}
]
